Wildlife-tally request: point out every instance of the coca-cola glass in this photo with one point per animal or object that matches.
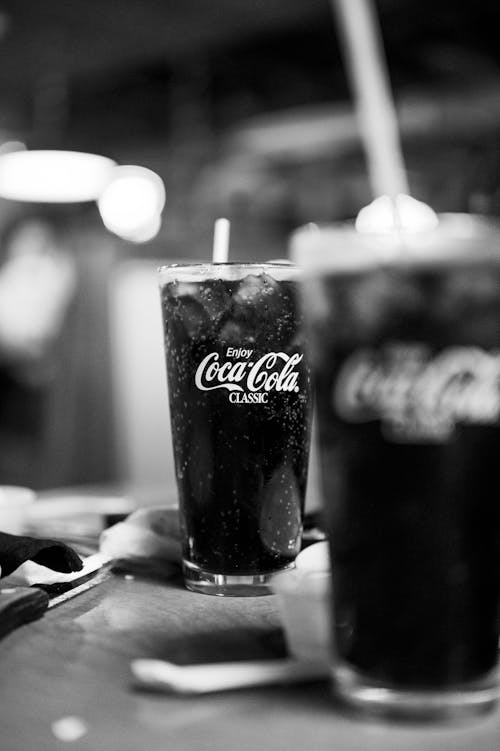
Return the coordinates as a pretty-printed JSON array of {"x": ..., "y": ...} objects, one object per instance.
[
  {"x": 404, "y": 335},
  {"x": 239, "y": 390}
]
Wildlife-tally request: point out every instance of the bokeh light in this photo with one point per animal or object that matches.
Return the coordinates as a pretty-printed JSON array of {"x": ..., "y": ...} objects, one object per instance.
[
  {"x": 132, "y": 202},
  {"x": 49, "y": 176},
  {"x": 405, "y": 214}
]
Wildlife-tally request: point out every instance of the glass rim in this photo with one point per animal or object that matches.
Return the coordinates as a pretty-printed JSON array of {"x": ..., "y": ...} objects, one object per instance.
[
  {"x": 200, "y": 269},
  {"x": 337, "y": 247}
]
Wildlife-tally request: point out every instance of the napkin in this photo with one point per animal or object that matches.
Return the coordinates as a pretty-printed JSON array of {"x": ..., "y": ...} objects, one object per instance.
[
  {"x": 16, "y": 550},
  {"x": 149, "y": 539}
]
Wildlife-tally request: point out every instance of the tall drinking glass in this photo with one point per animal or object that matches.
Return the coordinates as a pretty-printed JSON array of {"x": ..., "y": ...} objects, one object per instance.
[
  {"x": 239, "y": 389},
  {"x": 404, "y": 340}
]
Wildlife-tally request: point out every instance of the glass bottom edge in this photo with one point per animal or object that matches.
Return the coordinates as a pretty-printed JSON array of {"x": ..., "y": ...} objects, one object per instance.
[
  {"x": 355, "y": 690},
  {"x": 205, "y": 582}
]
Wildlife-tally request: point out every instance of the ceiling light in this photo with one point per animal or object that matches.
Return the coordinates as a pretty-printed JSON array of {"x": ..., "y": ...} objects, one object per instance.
[{"x": 53, "y": 176}]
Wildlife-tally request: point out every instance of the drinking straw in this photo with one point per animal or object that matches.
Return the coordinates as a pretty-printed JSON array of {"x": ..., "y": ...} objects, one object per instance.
[
  {"x": 362, "y": 45},
  {"x": 220, "y": 252}
]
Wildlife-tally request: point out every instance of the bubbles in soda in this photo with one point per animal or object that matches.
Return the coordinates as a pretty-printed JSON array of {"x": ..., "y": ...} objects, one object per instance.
[{"x": 241, "y": 435}]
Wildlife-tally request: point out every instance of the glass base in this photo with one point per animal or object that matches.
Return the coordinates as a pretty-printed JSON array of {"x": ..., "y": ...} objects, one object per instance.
[
  {"x": 227, "y": 585},
  {"x": 358, "y": 692}
]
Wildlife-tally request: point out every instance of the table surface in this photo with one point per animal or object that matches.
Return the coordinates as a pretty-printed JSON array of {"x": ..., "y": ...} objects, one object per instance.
[{"x": 75, "y": 662}]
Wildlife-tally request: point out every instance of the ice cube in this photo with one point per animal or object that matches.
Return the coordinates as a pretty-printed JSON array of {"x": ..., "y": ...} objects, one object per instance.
[
  {"x": 281, "y": 513},
  {"x": 181, "y": 289},
  {"x": 236, "y": 334},
  {"x": 194, "y": 318},
  {"x": 264, "y": 308},
  {"x": 254, "y": 290},
  {"x": 216, "y": 298},
  {"x": 183, "y": 307}
]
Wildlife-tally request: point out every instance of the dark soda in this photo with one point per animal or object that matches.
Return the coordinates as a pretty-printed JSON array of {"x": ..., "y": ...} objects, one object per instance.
[
  {"x": 407, "y": 367},
  {"x": 404, "y": 345},
  {"x": 239, "y": 390}
]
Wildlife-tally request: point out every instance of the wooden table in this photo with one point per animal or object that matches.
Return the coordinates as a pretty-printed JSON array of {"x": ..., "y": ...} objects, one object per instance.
[{"x": 75, "y": 662}]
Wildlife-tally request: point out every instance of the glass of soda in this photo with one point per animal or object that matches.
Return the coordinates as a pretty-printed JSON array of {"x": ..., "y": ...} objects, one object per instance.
[
  {"x": 404, "y": 336},
  {"x": 239, "y": 390}
]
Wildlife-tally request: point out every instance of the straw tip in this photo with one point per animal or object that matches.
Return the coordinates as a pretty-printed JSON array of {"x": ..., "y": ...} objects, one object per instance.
[{"x": 220, "y": 252}]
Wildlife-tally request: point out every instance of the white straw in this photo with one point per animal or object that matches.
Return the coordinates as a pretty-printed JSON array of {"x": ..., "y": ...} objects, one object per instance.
[
  {"x": 363, "y": 49},
  {"x": 220, "y": 251}
]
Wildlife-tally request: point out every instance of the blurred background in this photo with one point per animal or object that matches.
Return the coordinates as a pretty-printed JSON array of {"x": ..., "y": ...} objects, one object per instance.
[{"x": 243, "y": 108}]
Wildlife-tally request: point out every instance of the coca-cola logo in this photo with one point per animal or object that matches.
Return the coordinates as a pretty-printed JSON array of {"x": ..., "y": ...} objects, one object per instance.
[
  {"x": 417, "y": 395},
  {"x": 248, "y": 379}
]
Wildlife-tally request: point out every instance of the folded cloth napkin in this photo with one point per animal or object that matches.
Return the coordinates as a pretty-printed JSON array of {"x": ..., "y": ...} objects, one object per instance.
[
  {"x": 16, "y": 550},
  {"x": 149, "y": 539}
]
